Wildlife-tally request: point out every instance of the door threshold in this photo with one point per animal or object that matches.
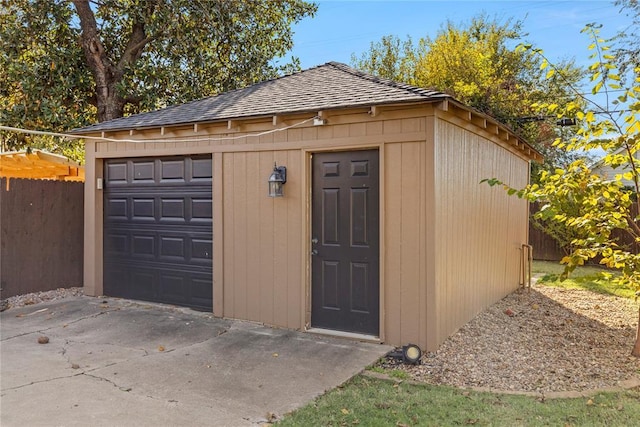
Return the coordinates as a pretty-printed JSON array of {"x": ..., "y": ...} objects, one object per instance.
[{"x": 343, "y": 334}]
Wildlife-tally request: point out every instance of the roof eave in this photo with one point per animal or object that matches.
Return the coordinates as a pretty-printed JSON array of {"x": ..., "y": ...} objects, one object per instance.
[
  {"x": 529, "y": 150},
  {"x": 89, "y": 131}
]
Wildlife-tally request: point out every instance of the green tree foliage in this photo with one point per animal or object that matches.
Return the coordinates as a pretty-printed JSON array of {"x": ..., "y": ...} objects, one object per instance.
[
  {"x": 44, "y": 83},
  {"x": 587, "y": 206},
  {"x": 391, "y": 58},
  {"x": 67, "y": 64},
  {"x": 477, "y": 64}
]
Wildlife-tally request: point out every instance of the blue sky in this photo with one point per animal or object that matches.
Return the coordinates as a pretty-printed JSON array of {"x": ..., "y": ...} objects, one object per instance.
[{"x": 341, "y": 28}]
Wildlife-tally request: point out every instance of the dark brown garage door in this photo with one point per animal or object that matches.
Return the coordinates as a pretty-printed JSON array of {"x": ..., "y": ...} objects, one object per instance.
[{"x": 158, "y": 230}]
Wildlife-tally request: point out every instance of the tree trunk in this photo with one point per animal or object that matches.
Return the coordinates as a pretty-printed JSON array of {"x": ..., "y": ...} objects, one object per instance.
[
  {"x": 636, "y": 348},
  {"x": 110, "y": 105},
  {"x": 107, "y": 74}
]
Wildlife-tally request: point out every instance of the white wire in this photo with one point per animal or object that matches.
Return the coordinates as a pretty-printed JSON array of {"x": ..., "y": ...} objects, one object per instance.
[{"x": 199, "y": 139}]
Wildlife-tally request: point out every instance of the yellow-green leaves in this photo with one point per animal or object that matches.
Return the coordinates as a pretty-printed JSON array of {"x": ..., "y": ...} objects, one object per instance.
[
  {"x": 544, "y": 65},
  {"x": 597, "y": 87},
  {"x": 476, "y": 64}
]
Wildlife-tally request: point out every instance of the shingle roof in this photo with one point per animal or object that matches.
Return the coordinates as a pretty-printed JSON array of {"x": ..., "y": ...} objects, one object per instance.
[{"x": 329, "y": 86}]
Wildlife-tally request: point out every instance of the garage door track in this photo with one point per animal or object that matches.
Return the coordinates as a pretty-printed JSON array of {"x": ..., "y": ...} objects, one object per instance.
[{"x": 120, "y": 362}]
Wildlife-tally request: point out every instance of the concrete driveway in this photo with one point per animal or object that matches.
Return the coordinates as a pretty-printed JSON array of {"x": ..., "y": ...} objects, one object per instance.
[{"x": 119, "y": 362}]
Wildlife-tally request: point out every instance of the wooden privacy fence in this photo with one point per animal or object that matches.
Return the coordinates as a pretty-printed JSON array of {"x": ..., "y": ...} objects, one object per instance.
[
  {"x": 545, "y": 248},
  {"x": 41, "y": 235}
]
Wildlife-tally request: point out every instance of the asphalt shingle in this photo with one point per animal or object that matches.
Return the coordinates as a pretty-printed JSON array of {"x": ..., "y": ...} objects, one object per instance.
[{"x": 329, "y": 86}]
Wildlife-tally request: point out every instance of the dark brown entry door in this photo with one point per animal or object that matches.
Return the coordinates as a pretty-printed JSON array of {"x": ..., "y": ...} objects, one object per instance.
[
  {"x": 158, "y": 230},
  {"x": 345, "y": 242}
]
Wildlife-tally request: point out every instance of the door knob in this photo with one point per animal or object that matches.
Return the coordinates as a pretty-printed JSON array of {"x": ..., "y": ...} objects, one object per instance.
[{"x": 314, "y": 240}]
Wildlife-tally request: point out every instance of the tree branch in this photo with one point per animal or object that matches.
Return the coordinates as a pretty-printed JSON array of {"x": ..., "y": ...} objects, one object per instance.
[
  {"x": 133, "y": 99},
  {"x": 105, "y": 75},
  {"x": 139, "y": 37},
  {"x": 94, "y": 51},
  {"x": 634, "y": 169},
  {"x": 135, "y": 45},
  {"x": 634, "y": 226}
]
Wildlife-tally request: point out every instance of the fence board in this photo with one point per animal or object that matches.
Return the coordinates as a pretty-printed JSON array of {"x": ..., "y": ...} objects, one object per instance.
[
  {"x": 545, "y": 248},
  {"x": 41, "y": 235}
]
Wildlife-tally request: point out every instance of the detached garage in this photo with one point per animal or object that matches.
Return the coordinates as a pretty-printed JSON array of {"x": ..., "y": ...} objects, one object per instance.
[{"x": 379, "y": 228}]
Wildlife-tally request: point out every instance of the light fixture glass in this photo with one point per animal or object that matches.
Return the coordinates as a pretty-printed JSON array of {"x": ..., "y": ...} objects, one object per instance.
[
  {"x": 411, "y": 353},
  {"x": 276, "y": 181}
]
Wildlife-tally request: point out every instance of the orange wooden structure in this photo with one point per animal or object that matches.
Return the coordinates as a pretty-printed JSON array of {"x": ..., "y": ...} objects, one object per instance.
[{"x": 39, "y": 165}]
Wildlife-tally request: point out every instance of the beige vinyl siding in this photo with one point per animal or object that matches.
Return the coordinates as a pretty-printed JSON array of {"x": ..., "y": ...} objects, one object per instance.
[
  {"x": 479, "y": 229},
  {"x": 404, "y": 243},
  {"x": 262, "y": 264}
]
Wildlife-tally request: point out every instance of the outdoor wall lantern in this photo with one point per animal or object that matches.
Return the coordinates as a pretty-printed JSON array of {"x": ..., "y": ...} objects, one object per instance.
[{"x": 277, "y": 179}]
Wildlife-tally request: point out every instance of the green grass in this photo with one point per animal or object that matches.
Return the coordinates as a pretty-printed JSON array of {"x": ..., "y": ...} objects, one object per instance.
[
  {"x": 591, "y": 278},
  {"x": 393, "y": 373},
  {"x": 377, "y": 368},
  {"x": 399, "y": 374},
  {"x": 368, "y": 401}
]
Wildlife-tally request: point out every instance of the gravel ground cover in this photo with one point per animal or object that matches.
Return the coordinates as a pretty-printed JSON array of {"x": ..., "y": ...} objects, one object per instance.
[
  {"x": 38, "y": 297},
  {"x": 545, "y": 340}
]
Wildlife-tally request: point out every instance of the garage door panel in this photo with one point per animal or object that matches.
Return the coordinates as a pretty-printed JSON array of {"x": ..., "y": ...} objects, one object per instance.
[
  {"x": 117, "y": 208},
  {"x": 173, "y": 209},
  {"x": 144, "y": 209},
  {"x": 117, "y": 172},
  {"x": 160, "y": 284},
  {"x": 201, "y": 249},
  {"x": 201, "y": 169},
  {"x": 158, "y": 230},
  {"x": 201, "y": 290},
  {"x": 198, "y": 251},
  {"x": 142, "y": 284},
  {"x": 114, "y": 279},
  {"x": 133, "y": 264},
  {"x": 117, "y": 244},
  {"x": 143, "y": 172},
  {"x": 172, "y": 171},
  {"x": 201, "y": 209},
  {"x": 173, "y": 287},
  {"x": 143, "y": 246},
  {"x": 173, "y": 247},
  {"x": 162, "y": 246}
]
